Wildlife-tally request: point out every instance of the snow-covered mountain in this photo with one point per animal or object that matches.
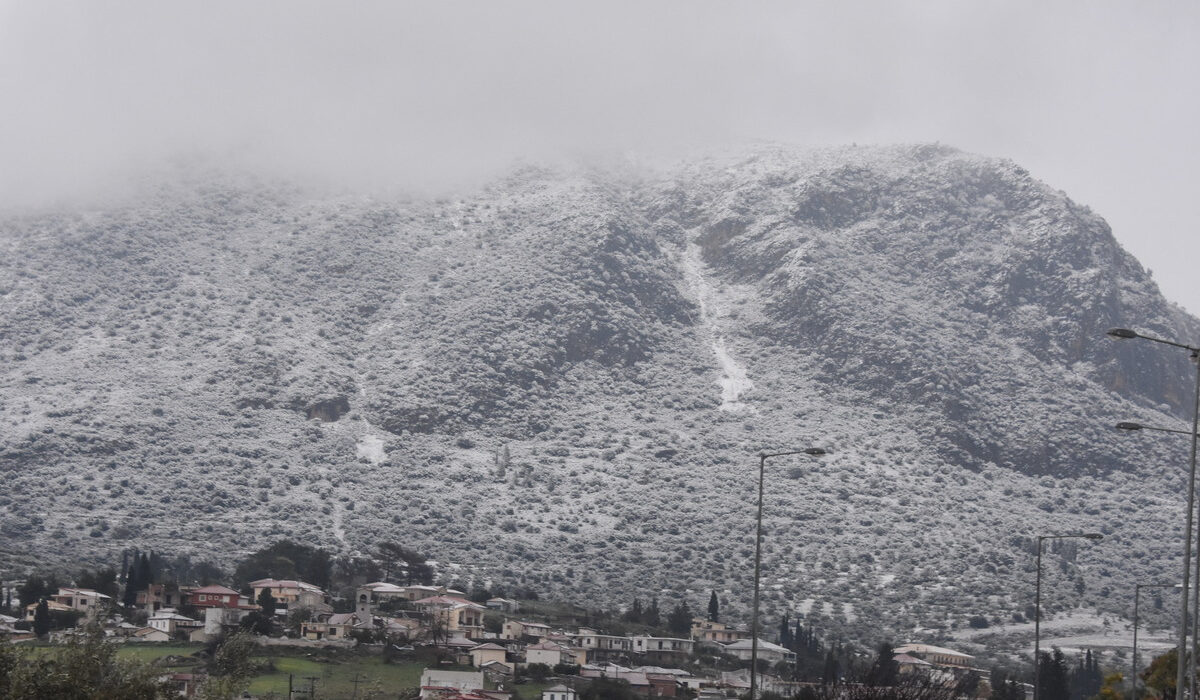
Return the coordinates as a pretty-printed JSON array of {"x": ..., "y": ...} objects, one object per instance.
[{"x": 562, "y": 380}]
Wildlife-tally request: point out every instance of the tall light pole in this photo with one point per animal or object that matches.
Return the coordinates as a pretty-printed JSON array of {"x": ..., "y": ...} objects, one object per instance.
[
  {"x": 1137, "y": 594},
  {"x": 1191, "y": 658},
  {"x": 762, "y": 468},
  {"x": 1194, "y": 353},
  {"x": 1037, "y": 605}
]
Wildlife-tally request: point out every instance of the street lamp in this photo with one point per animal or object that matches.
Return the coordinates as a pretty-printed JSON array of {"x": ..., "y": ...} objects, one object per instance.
[
  {"x": 1194, "y": 352},
  {"x": 762, "y": 468},
  {"x": 1137, "y": 593},
  {"x": 1037, "y": 609}
]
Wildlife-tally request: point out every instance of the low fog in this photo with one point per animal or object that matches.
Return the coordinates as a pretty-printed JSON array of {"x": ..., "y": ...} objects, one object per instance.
[{"x": 1098, "y": 99}]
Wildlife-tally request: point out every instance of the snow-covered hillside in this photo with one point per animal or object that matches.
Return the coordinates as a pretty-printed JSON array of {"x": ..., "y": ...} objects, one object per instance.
[{"x": 221, "y": 364}]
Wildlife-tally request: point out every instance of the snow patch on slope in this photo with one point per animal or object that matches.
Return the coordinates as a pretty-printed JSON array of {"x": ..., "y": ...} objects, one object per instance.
[
  {"x": 734, "y": 381},
  {"x": 371, "y": 447}
]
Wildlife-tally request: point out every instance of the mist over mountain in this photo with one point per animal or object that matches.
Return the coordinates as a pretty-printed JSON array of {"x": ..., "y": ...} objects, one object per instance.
[{"x": 562, "y": 380}]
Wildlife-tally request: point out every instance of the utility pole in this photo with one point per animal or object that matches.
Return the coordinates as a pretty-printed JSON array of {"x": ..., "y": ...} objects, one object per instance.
[{"x": 290, "y": 691}]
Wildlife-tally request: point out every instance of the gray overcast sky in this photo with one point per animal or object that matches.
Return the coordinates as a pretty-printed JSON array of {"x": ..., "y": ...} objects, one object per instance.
[{"x": 1097, "y": 98}]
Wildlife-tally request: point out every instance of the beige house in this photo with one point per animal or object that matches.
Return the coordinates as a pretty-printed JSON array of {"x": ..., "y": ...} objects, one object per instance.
[
  {"x": 149, "y": 634},
  {"x": 330, "y": 627},
  {"x": 458, "y": 614},
  {"x": 553, "y": 653},
  {"x": 601, "y": 647},
  {"x": 488, "y": 653},
  {"x": 290, "y": 595},
  {"x": 514, "y": 629},
  {"x": 938, "y": 656},
  {"x": 369, "y": 595},
  {"x": 505, "y": 605},
  {"x": 158, "y": 596},
  {"x": 81, "y": 599},
  {"x": 718, "y": 632}
]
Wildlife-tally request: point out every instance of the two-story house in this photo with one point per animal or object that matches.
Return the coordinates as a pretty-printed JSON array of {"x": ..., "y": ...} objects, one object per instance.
[{"x": 291, "y": 595}]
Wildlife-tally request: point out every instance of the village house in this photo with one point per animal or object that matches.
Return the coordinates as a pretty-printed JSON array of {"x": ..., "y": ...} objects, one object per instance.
[
  {"x": 497, "y": 672},
  {"x": 150, "y": 634},
  {"x": 663, "y": 648},
  {"x": 550, "y": 653},
  {"x": 169, "y": 621},
  {"x": 369, "y": 595},
  {"x": 773, "y": 653},
  {"x": 331, "y": 627},
  {"x": 488, "y": 653},
  {"x": 81, "y": 599},
  {"x": 716, "y": 632},
  {"x": 220, "y": 619},
  {"x": 51, "y": 605},
  {"x": 603, "y": 647},
  {"x": 504, "y": 605},
  {"x": 513, "y": 629},
  {"x": 292, "y": 595},
  {"x": 214, "y": 597},
  {"x": 938, "y": 656},
  {"x": 638, "y": 682},
  {"x": 458, "y": 614},
  {"x": 559, "y": 692},
  {"x": 415, "y": 593},
  {"x": 159, "y": 595},
  {"x": 940, "y": 663},
  {"x": 436, "y": 684}
]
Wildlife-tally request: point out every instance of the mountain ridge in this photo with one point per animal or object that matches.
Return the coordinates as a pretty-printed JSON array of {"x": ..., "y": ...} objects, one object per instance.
[{"x": 215, "y": 367}]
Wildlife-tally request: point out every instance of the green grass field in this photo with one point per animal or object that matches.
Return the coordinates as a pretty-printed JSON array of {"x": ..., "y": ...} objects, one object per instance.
[
  {"x": 336, "y": 679},
  {"x": 154, "y": 652}
]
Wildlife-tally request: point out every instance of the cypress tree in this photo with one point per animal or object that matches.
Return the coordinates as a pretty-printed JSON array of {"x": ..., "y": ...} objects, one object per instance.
[
  {"x": 714, "y": 608},
  {"x": 145, "y": 574},
  {"x": 131, "y": 588},
  {"x": 41, "y": 618},
  {"x": 830, "y": 675},
  {"x": 785, "y": 632}
]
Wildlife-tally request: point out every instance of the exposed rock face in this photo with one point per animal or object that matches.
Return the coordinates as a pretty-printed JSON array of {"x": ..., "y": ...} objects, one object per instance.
[
  {"x": 593, "y": 359},
  {"x": 328, "y": 410}
]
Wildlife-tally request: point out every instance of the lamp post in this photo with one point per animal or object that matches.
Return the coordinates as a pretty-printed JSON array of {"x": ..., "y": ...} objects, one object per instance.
[
  {"x": 1037, "y": 605},
  {"x": 1194, "y": 353},
  {"x": 762, "y": 468},
  {"x": 1137, "y": 593},
  {"x": 1191, "y": 658}
]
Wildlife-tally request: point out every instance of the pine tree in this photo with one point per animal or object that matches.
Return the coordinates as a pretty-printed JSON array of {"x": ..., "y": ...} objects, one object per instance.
[
  {"x": 651, "y": 616},
  {"x": 1054, "y": 679},
  {"x": 885, "y": 669},
  {"x": 680, "y": 619},
  {"x": 714, "y": 608}
]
